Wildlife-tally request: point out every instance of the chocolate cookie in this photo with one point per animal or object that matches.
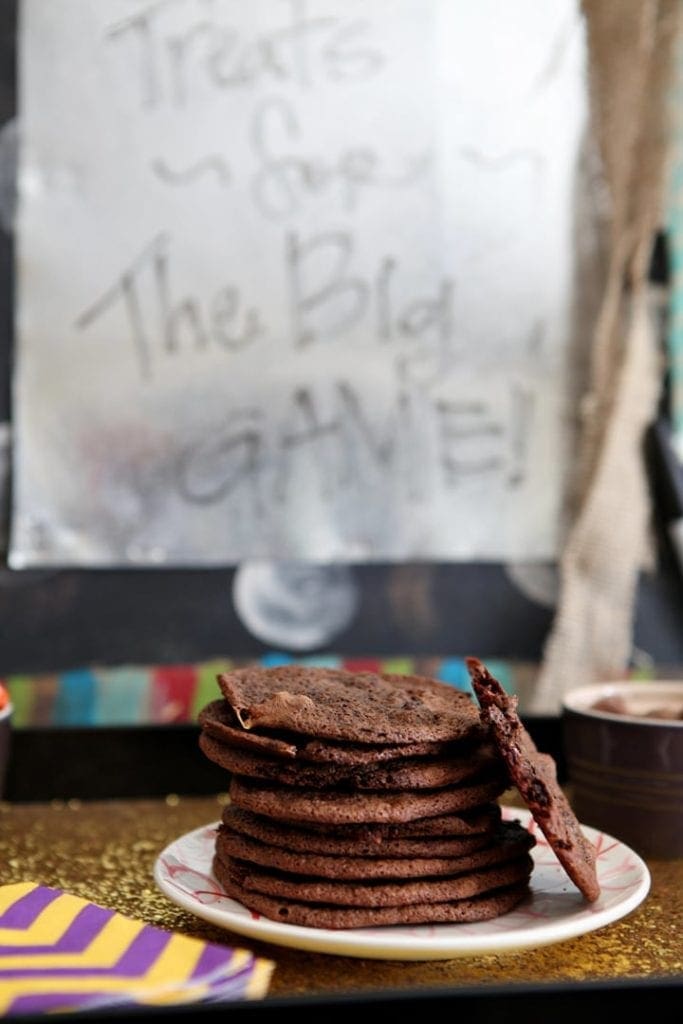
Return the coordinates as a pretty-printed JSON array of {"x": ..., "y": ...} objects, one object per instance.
[
  {"x": 404, "y": 773},
  {"x": 335, "y": 807},
  {"x": 378, "y": 893},
  {"x": 354, "y": 707},
  {"x": 510, "y": 841},
  {"x": 534, "y": 775},
  {"x": 478, "y": 908},
  {"x": 355, "y": 841},
  {"x": 218, "y": 720}
]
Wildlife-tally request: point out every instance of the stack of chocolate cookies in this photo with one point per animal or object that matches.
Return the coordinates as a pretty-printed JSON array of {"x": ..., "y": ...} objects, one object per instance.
[{"x": 360, "y": 799}]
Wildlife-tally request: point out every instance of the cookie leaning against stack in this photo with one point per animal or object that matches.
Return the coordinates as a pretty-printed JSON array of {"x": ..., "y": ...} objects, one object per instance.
[{"x": 361, "y": 799}]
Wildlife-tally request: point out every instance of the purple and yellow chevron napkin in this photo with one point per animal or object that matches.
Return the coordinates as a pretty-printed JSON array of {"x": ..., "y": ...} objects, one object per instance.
[{"x": 59, "y": 952}]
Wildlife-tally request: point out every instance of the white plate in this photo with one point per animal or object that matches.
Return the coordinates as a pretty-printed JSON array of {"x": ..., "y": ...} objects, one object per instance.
[{"x": 555, "y": 910}]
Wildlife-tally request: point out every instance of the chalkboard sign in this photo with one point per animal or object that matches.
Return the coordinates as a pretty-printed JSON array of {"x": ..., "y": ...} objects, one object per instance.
[{"x": 296, "y": 280}]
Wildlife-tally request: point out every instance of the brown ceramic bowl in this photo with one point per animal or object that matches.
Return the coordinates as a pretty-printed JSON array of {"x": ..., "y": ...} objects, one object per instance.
[{"x": 623, "y": 743}]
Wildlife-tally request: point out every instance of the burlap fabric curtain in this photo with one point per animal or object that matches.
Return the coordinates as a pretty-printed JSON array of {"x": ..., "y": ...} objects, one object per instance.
[{"x": 631, "y": 49}]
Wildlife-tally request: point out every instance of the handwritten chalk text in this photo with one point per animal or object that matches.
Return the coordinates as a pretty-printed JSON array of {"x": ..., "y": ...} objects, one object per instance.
[
  {"x": 255, "y": 457},
  {"x": 208, "y": 52}
]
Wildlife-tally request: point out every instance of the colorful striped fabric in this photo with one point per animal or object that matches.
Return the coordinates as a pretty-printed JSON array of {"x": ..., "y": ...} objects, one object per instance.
[
  {"x": 59, "y": 952},
  {"x": 168, "y": 694},
  {"x": 174, "y": 694}
]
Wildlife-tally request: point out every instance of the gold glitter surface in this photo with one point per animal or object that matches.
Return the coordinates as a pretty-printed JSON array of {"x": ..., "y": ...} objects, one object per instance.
[{"x": 105, "y": 852}]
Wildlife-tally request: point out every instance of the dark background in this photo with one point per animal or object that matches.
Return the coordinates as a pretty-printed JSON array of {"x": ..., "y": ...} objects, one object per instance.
[{"x": 55, "y": 620}]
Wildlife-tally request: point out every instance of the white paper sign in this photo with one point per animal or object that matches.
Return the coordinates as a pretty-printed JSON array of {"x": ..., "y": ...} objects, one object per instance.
[{"x": 294, "y": 279}]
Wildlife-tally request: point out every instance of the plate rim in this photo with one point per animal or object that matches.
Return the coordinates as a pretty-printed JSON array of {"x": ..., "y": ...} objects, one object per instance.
[{"x": 356, "y": 942}]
